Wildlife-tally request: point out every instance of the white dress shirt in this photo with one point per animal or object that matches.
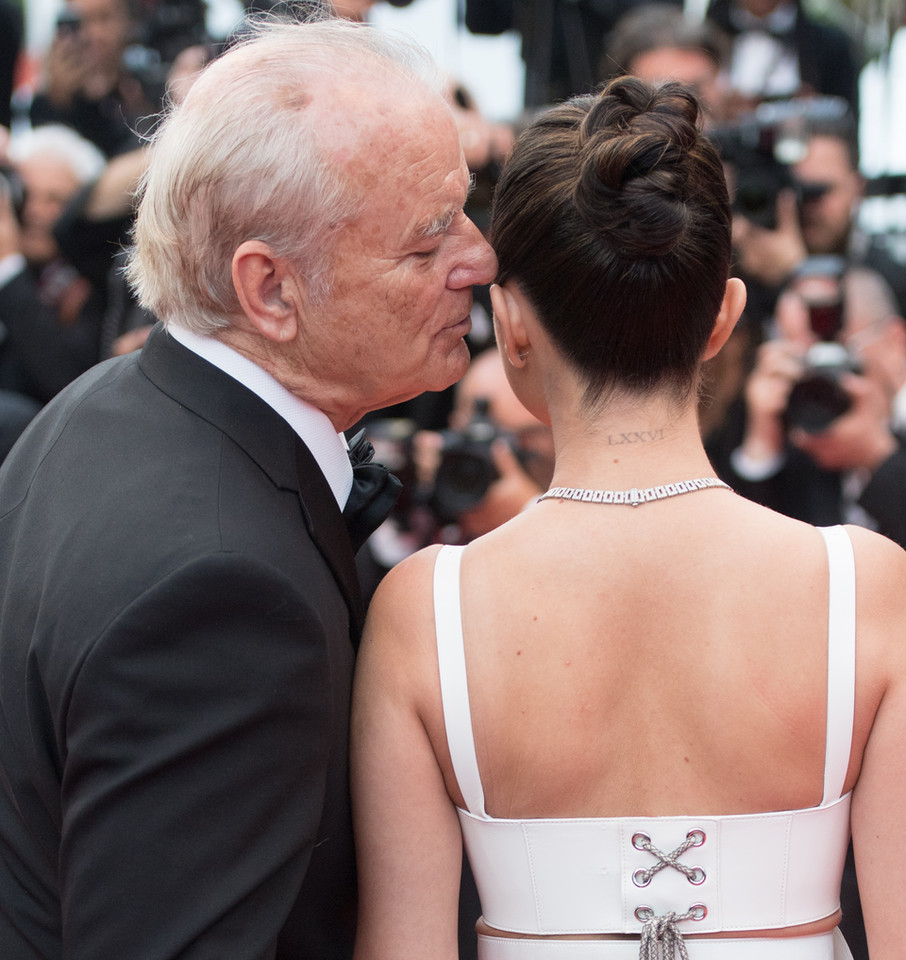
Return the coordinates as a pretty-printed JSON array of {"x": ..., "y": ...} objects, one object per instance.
[{"x": 314, "y": 428}]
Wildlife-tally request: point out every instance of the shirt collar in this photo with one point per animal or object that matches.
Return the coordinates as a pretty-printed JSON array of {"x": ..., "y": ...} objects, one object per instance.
[
  {"x": 313, "y": 427},
  {"x": 780, "y": 20}
]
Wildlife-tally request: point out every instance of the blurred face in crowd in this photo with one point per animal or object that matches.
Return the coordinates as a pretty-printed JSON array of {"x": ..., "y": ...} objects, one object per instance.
[
  {"x": 49, "y": 185},
  {"x": 827, "y": 220},
  {"x": 486, "y": 380},
  {"x": 104, "y": 30},
  {"x": 693, "y": 67},
  {"x": 403, "y": 271},
  {"x": 871, "y": 331}
]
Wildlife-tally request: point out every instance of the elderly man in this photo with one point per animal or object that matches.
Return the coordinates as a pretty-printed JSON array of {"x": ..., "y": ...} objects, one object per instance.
[{"x": 179, "y": 600}]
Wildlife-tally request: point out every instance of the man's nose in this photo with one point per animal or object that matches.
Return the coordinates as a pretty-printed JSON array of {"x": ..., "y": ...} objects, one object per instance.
[{"x": 478, "y": 263}]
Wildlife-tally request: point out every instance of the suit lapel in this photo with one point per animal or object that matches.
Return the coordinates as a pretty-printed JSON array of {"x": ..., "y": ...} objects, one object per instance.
[
  {"x": 269, "y": 440},
  {"x": 328, "y": 530}
]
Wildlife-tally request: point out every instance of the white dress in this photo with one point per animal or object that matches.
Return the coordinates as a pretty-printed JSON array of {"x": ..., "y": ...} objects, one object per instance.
[{"x": 700, "y": 874}]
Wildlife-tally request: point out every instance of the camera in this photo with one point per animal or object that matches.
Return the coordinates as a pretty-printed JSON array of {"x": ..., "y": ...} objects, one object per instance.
[
  {"x": 818, "y": 398},
  {"x": 466, "y": 470},
  {"x": 762, "y": 146}
]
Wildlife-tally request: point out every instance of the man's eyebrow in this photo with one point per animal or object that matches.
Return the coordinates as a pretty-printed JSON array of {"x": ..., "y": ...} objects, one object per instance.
[
  {"x": 440, "y": 225},
  {"x": 436, "y": 227}
]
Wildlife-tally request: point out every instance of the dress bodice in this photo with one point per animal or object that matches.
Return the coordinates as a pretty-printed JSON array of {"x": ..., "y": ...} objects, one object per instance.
[{"x": 608, "y": 875}]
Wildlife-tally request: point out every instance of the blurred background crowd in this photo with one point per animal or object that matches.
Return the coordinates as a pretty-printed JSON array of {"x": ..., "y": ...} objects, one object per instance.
[{"x": 805, "y": 410}]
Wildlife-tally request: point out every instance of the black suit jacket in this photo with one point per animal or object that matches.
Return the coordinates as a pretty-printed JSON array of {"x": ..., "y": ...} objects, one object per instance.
[{"x": 177, "y": 600}]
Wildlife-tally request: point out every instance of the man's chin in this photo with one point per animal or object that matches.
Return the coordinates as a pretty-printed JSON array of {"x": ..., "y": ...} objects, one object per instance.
[{"x": 459, "y": 360}]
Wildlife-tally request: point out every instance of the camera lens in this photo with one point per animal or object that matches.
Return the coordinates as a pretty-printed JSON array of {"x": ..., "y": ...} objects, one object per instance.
[
  {"x": 462, "y": 480},
  {"x": 818, "y": 398}
]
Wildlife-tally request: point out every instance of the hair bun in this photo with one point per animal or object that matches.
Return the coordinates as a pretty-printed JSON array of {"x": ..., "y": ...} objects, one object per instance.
[{"x": 634, "y": 156}]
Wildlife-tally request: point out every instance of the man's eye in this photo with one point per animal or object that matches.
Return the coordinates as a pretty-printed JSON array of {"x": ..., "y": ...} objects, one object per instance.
[{"x": 426, "y": 254}]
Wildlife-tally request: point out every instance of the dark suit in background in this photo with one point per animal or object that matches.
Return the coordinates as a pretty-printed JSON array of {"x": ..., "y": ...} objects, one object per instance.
[{"x": 10, "y": 46}]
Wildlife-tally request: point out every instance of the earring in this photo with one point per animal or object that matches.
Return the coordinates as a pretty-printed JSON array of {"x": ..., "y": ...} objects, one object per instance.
[{"x": 523, "y": 356}]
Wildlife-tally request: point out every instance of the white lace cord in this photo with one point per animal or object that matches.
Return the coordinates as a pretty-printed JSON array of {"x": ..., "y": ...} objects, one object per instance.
[
  {"x": 641, "y": 842},
  {"x": 662, "y": 939}
]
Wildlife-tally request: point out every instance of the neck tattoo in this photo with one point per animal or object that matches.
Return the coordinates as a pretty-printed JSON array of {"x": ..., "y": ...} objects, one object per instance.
[
  {"x": 634, "y": 436},
  {"x": 634, "y": 496}
]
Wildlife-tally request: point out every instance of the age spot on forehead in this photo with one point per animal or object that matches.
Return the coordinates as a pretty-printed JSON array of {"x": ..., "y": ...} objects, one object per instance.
[{"x": 294, "y": 99}]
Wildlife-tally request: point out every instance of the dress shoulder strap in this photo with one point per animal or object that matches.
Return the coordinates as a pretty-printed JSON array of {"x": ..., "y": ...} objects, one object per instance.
[
  {"x": 454, "y": 687},
  {"x": 841, "y": 659}
]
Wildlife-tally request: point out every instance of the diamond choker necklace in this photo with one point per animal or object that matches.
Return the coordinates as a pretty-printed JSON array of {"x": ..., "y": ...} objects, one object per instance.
[{"x": 635, "y": 496}]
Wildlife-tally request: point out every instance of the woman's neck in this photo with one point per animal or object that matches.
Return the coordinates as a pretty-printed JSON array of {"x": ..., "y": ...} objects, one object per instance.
[{"x": 629, "y": 443}]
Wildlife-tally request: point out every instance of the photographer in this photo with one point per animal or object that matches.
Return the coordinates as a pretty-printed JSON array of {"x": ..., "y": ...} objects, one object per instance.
[
  {"x": 781, "y": 49},
  {"x": 794, "y": 172},
  {"x": 823, "y": 409},
  {"x": 50, "y": 312},
  {"x": 515, "y": 448},
  {"x": 658, "y": 41},
  {"x": 86, "y": 86},
  {"x": 493, "y": 461}
]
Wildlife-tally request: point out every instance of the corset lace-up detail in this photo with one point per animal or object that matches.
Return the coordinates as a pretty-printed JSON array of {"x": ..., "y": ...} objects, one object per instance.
[{"x": 662, "y": 938}]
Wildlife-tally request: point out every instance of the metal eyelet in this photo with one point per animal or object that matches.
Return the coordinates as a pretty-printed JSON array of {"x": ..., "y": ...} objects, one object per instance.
[
  {"x": 640, "y": 838},
  {"x": 639, "y": 878},
  {"x": 699, "y": 911},
  {"x": 643, "y": 913},
  {"x": 699, "y": 876},
  {"x": 699, "y": 837}
]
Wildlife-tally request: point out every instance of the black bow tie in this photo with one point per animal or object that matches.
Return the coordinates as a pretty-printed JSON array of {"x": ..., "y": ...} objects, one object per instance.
[{"x": 374, "y": 493}]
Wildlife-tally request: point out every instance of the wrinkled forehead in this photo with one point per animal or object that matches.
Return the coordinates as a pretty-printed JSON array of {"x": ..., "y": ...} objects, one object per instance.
[{"x": 364, "y": 122}]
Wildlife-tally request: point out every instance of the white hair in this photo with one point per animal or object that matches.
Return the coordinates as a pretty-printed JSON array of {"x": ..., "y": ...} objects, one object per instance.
[
  {"x": 81, "y": 156},
  {"x": 241, "y": 158}
]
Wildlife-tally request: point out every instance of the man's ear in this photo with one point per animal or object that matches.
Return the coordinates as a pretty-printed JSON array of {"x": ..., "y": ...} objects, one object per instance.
[
  {"x": 265, "y": 287},
  {"x": 513, "y": 338},
  {"x": 731, "y": 308}
]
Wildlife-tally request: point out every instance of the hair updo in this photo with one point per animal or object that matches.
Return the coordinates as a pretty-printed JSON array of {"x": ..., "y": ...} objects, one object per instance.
[{"x": 612, "y": 215}]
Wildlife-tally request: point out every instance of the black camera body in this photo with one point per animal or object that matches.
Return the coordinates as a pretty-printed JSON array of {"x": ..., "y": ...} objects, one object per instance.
[
  {"x": 818, "y": 398},
  {"x": 466, "y": 470},
  {"x": 762, "y": 146}
]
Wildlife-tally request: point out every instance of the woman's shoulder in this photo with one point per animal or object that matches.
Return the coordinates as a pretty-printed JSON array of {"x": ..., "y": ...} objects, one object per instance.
[
  {"x": 402, "y": 608},
  {"x": 408, "y": 579},
  {"x": 880, "y": 579},
  {"x": 398, "y": 653}
]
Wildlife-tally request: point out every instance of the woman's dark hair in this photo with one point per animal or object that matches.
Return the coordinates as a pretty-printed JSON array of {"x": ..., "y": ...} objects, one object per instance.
[{"x": 612, "y": 216}]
